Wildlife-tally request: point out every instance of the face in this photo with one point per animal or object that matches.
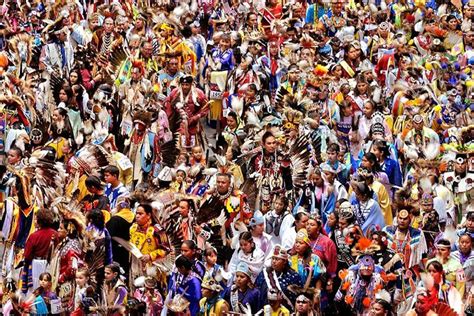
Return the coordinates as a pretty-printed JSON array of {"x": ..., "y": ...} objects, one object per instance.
[
  {"x": 317, "y": 179},
  {"x": 187, "y": 251},
  {"x": 180, "y": 176},
  {"x": 302, "y": 222},
  {"x": 302, "y": 306},
  {"x": 109, "y": 178},
  {"x": 353, "y": 53},
  {"x": 332, "y": 221},
  {"x": 109, "y": 274},
  {"x": 437, "y": 276},
  {"x": 312, "y": 227},
  {"x": 62, "y": 232},
  {"x": 81, "y": 279},
  {"x": 270, "y": 144},
  {"x": 278, "y": 264},
  {"x": 465, "y": 244},
  {"x": 257, "y": 230},
  {"x": 443, "y": 252},
  {"x": 141, "y": 217},
  {"x": 136, "y": 74},
  {"x": 241, "y": 280},
  {"x": 172, "y": 66},
  {"x": 368, "y": 109},
  {"x": 252, "y": 20},
  {"x": 422, "y": 305},
  {"x": 279, "y": 206},
  {"x": 62, "y": 96},
  {"x": 211, "y": 259},
  {"x": 73, "y": 77},
  {"x": 470, "y": 224},
  {"x": 13, "y": 157},
  {"x": 366, "y": 163},
  {"x": 45, "y": 282},
  {"x": 231, "y": 122},
  {"x": 377, "y": 310},
  {"x": 223, "y": 184},
  {"x": 301, "y": 247},
  {"x": 460, "y": 166},
  {"x": 186, "y": 86},
  {"x": 273, "y": 49},
  {"x": 147, "y": 50},
  {"x": 225, "y": 43},
  {"x": 183, "y": 208},
  {"x": 197, "y": 153},
  {"x": 332, "y": 156},
  {"x": 403, "y": 223},
  {"x": 108, "y": 25},
  {"x": 293, "y": 76},
  {"x": 246, "y": 246}
]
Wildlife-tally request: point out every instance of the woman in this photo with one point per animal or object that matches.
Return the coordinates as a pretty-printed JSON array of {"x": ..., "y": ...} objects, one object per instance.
[
  {"x": 242, "y": 294},
  {"x": 352, "y": 59},
  {"x": 452, "y": 269},
  {"x": 60, "y": 125},
  {"x": 389, "y": 166},
  {"x": 234, "y": 133},
  {"x": 381, "y": 308},
  {"x": 211, "y": 303},
  {"x": 183, "y": 285},
  {"x": 148, "y": 238},
  {"x": 321, "y": 245},
  {"x": 260, "y": 237},
  {"x": 190, "y": 250},
  {"x": 369, "y": 161},
  {"x": 447, "y": 293},
  {"x": 99, "y": 246},
  {"x": 247, "y": 252},
  {"x": 301, "y": 218},
  {"x": 115, "y": 292},
  {"x": 75, "y": 79},
  {"x": 65, "y": 260},
  {"x": 308, "y": 265},
  {"x": 278, "y": 222},
  {"x": 367, "y": 211},
  {"x": 37, "y": 248}
]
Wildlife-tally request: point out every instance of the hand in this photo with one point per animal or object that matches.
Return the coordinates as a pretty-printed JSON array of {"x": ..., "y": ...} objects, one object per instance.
[
  {"x": 145, "y": 259},
  {"x": 97, "y": 78},
  {"x": 391, "y": 276},
  {"x": 197, "y": 229}
]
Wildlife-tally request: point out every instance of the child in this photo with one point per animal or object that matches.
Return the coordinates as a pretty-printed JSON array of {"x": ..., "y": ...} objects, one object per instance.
[
  {"x": 179, "y": 184},
  {"x": 82, "y": 283},
  {"x": 149, "y": 294},
  {"x": 214, "y": 270},
  {"x": 114, "y": 188},
  {"x": 197, "y": 156},
  {"x": 96, "y": 200},
  {"x": 44, "y": 293},
  {"x": 274, "y": 307}
]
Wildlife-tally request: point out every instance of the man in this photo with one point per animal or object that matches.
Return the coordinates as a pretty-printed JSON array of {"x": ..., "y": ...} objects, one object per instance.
[
  {"x": 388, "y": 260},
  {"x": 185, "y": 220},
  {"x": 192, "y": 105},
  {"x": 421, "y": 141},
  {"x": 408, "y": 242},
  {"x": 142, "y": 147},
  {"x": 105, "y": 38},
  {"x": 58, "y": 55},
  {"x": 168, "y": 76},
  {"x": 278, "y": 276},
  {"x": 114, "y": 189},
  {"x": 132, "y": 93},
  {"x": 224, "y": 207}
]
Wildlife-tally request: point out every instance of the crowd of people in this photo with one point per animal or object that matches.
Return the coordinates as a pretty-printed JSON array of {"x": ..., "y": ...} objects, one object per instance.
[{"x": 254, "y": 157}]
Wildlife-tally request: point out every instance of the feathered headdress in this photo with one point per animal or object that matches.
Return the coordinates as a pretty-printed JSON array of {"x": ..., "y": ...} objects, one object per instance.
[{"x": 91, "y": 159}]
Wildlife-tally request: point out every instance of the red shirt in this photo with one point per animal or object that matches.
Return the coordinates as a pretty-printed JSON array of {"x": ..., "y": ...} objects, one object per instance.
[{"x": 37, "y": 245}]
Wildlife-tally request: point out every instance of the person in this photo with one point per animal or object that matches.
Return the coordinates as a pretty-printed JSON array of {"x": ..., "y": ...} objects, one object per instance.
[
  {"x": 184, "y": 282},
  {"x": 303, "y": 305},
  {"x": 211, "y": 302},
  {"x": 279, "y": 275},
  {"x": 397, "y": 236},
  {"x": 37, "y": 249},
  {"x": 453, "y": 270},
  {"x": 150, "y": 295},
  {"x": 242, "y": 295},
  {"x": 192, "y": 105},
  {"x": 275, "y": 306},
  {"x": 95, "y": 200},
  {"x": 114, "y": 190},
  {"x": 115, "y": 292},
  {"x": 368, "y": 214},
  {"x": 148, "y": 238},
  {"x": 305, "y": 262},
  {"x": 380, "y": 308},
  {"x": 247, "y": 252},
  {"x": 278, "y": 221},
  {"x": 119, "y": 226},
  {"x": 321, "y": 245},
  {"x": 190, "y": 250}
]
